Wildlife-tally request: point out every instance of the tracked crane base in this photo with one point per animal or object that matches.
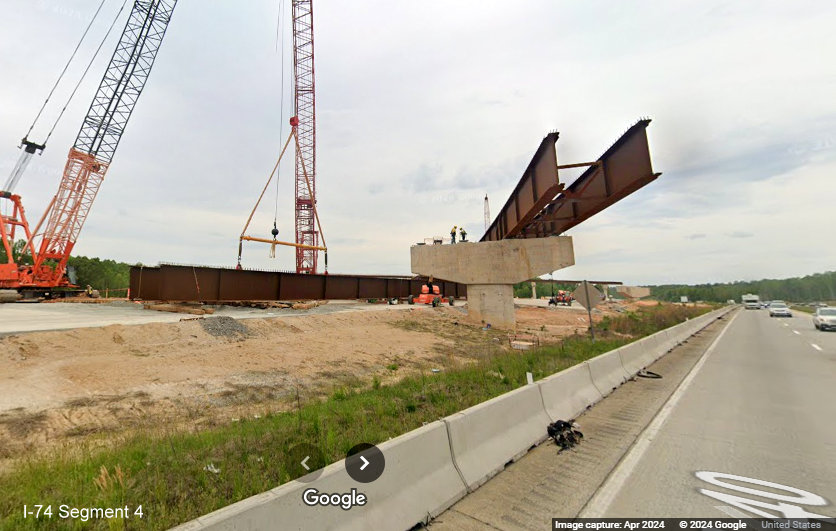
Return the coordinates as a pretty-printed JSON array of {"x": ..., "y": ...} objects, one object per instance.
[{"x": 490, "y": 269}]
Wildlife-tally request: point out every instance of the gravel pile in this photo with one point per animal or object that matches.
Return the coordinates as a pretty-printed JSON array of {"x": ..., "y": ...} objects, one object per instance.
[{"x": 224, "y": 326}]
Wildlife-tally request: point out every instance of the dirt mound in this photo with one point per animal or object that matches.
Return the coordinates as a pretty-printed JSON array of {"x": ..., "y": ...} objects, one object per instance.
[
  {"x": 224, "y": 326},
  {"x": 64, "y": 385}
]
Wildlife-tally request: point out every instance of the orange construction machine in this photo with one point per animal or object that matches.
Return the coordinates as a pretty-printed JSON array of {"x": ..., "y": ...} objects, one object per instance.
[
  {"x": 561, "y": 297},
  {"x": 431, "y": 294},
  {"x": 87, "y": 163}
]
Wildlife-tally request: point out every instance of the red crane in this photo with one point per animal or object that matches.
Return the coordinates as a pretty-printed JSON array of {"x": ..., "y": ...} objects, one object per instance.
[
  {"x": 89, "y": 158},
  {"x": 305, "y": 108}
]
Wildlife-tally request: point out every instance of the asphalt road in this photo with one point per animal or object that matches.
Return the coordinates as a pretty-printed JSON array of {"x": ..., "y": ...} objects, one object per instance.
[{"x": 760, "y": 405}]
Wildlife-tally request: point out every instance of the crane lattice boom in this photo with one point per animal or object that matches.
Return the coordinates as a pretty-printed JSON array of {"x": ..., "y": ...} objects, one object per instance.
[
  {"x": 305, "y": 107},
  {"x": 101, "y": 132}
]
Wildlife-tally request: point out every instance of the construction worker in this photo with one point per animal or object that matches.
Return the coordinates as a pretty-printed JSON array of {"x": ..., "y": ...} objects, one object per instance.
[
  {"x": 453, "y": 234},
  {"x": 463, "y": 234}
]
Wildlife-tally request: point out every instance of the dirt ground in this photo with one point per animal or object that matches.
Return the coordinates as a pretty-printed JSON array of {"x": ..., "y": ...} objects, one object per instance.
[{"x": 92, "y": 383}]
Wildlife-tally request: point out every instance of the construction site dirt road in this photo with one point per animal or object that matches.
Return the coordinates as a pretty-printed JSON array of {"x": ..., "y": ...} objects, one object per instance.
[{"x": 98, "y": 383}]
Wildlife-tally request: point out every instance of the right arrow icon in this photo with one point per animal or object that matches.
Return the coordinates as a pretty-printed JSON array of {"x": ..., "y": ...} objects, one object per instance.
[{"x": 364, "y": 463}]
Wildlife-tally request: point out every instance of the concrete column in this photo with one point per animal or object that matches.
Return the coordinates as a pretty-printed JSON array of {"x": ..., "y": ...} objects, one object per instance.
[
  {"x": 491, "y": 304},
  {"x": 533, "y": 290}
]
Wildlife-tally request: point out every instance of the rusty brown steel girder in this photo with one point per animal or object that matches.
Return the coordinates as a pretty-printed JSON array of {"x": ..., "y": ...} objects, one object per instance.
[
  {"x": 169, "y": 282},
  {"x": 537, "y": 187},
  {"x": 541, "y": 205}
]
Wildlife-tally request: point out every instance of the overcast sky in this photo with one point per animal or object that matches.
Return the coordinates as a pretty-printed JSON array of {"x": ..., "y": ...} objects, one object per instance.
[{"x": 424, "y": 107}]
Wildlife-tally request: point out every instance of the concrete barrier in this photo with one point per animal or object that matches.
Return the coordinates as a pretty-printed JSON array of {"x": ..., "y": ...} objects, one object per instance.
[
  {"x": 432, "y": 467},
  {"x": 672, "y": 338},
  {"x": 658, "y": 344},
  {"x": 639, "y": 354},
  {"x": 607, "y": 372},
  {"x": 485, "y": 437},
  {"x": 681, "y": 332},
  {"x": 568, "y": 393},
  {"x": 419, "y": 482},
  {"x": 642, "y": 353}
]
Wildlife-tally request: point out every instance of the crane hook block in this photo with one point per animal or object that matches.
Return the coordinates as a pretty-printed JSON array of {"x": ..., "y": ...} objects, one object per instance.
[
  {"x": 294, "y": 121},
  {"x": 31, "y": 147}
]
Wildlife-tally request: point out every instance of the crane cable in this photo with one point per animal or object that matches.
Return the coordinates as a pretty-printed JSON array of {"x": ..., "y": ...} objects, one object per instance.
[
  {"x": 279, "y": 33},
  {"x": 29, "y": 147},
  {"x": 64, "y": 71},
  {"x": 87, "y": 69}
]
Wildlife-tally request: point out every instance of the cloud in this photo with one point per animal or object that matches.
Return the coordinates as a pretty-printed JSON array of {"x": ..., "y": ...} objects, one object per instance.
[
  {"x": 421, "y": 118},
  {"x": 740, "y": 234}
]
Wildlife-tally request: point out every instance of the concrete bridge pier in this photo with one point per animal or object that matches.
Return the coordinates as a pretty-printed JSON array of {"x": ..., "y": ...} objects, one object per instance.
[{"x": 490, "y": 269}]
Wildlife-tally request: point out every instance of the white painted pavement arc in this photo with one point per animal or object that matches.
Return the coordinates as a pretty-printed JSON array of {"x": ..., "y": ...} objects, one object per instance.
[
  {"x": 597, "y": 506},
  {"x": 796, "y": 332},
  {"x": 815, "y": 346}
]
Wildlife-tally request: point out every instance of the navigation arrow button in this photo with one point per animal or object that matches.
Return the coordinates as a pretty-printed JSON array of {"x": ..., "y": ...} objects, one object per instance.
[
  {"x": 305, "y": 462},
  {"x": 365, "y": 463}
]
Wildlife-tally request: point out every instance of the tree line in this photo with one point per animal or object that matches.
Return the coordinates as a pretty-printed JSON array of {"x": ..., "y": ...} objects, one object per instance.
[
  {"x": 95, "y": 272},
  {"x": 811, "y": 288},
  {"x": 522, "y": 290}
]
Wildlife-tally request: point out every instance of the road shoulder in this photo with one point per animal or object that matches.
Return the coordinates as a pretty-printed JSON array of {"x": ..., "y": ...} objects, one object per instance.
[{"x": 548, "y": 484}]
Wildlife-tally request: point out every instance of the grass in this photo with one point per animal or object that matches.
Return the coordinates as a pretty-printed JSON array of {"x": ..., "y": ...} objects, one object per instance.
[
  {"x": 648, "y": 319},
  {"x": 805, "y": 309},
  {"x": 177, "y": 476}
]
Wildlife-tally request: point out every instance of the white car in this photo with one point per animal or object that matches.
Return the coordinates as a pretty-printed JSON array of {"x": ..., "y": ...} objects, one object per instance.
[
  {"x": 824, "y": 318},
  {"x": 779, "y": 309}
]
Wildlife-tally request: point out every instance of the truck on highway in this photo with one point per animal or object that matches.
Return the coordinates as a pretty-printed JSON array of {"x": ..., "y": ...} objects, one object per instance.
[{"x": 751, "y": 302}]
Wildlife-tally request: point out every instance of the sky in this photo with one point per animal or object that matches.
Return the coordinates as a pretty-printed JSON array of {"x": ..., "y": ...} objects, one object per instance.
[{"x": 423, "y": 108}]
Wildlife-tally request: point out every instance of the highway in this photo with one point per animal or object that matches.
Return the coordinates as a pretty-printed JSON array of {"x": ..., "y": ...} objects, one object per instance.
[
  {"x": 743, "y": 424},
  {"x": 762, "y": 406}
]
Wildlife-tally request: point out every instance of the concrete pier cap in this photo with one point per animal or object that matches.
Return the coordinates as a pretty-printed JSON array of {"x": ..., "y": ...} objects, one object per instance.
[{"x": 490, "y": 269}]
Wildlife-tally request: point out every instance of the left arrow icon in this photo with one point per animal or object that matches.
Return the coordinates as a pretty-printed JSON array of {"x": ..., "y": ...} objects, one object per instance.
[{"x": 305, "y": 460}]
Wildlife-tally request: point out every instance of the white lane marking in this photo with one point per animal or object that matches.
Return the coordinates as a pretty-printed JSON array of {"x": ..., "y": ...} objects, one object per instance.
[
  {"x": 786, "y": 324},
  {"x": 796, "y": 332},
  {"x": 598, "y": 505},
  {"x": 799, "y": 496},
  {"x": 786, "y": 506},
  {"x": 731, "y": 511},
  {"x": 816, "y": 346}
]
